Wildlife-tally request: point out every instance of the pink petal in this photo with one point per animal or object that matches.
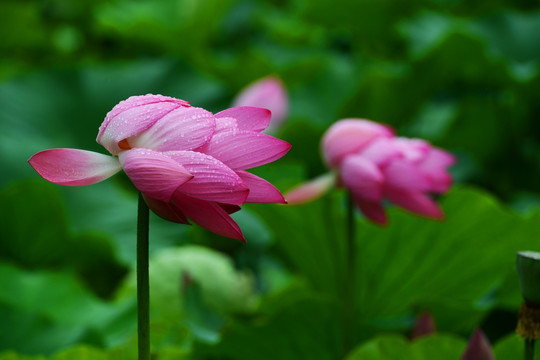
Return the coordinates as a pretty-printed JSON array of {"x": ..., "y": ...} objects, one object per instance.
[
  {"x": 225, "y": 124},
  {"x": 209, "y": 215},
  {"x": 268, "y": 93},
  {"x": 311, "y": 190},
  {"x": 414, "y": 150},
  {"x": 362, "y": 177},
  {"x": 184, "y": 128},
  {"x": 405, "y": 175},
  {"x": 260, "y": 190},
  {"x": 414, "y": 201},
  {"x": 133, "y": 116},
  {"x": 242, "y": 150},
  {"x": 212, "y": 181},
  {"x": 248, "y": 117},
  {"x": 74, "y": 167},
  {"x": 435, "y": 167},
  {"x": 154, "y": 174},
  {"x": 166, "y": 210},
  {"x": 374, "y": 211},
  {"x": 479, "y": 348},
  {"x": 349, "y": 136},
  {"x": 230, "y": 209},
  {"x": 381, "y": 151}
]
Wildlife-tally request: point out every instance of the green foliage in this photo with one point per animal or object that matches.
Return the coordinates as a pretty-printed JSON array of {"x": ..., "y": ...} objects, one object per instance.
[
  {"x": 389, "y": 347},
  {"x": 464, "y": 75}
]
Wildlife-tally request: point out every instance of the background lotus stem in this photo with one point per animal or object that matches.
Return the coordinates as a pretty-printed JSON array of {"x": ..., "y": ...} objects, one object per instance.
[
  {"x": 529, "y": 349},
  {"x": 143, "y": 288},
  {"x": 350, "y": 269}
]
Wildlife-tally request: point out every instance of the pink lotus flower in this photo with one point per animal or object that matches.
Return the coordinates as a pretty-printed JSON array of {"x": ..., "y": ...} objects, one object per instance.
[
  {"x": 373, "y": 165},
  {"x": 187, "y": 162},
  {"x": 268, "y": 93}
]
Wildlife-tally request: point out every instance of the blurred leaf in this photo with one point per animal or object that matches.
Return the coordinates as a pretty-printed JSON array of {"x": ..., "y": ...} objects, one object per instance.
[
  {"x": 34, "y": 334},
  {"x": 438, "y": 258},
  {"x": 282, "y": 335},
  {"x": 54, "y": 300},
  {"x": 33, "y": 224},
  {"x": 391, "y": 347},
  {"x": 511, "y": 348}
]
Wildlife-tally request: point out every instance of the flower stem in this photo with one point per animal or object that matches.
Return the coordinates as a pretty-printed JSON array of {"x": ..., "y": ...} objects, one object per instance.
[
  {"x": 529, "y": 349},
  {"x": 143, "y": 288},
  {"x": 350, "y": 277}
]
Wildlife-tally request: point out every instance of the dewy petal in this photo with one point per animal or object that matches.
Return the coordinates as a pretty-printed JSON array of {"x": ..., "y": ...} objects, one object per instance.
[
  {"x": 242, "y": 150},
  {"x": 74, "y": 167},
  {"x": 209, "y": 215},
  {"x": 212, "y": 180},
  {"x": 349, "y": 136},
  {"x": 133, "y": 116},
  {"x": 248, "y": 117},
  {"x": 311, "y": 190},
  {"x": 268, "y": 93},
  {"x": 184, "y": 128},
  {"x": 260, "y": 190},
  {"x": 226, "y": 124},
  {"x": 166, "y": 210},
  {"x": 154, "y": 174},
  {"x": 414, "y": 201},
  {"x": 362, "y": 177}
]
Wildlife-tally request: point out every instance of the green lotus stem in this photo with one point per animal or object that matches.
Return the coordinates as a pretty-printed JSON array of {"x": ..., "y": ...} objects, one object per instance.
[
  {"x": 350, "y": 270},
  {"x": 143, "y": 287},
  {"x": 529, "y": 349}
]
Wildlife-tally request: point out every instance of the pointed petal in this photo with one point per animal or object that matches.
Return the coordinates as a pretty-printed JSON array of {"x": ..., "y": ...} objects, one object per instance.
[
  {"x": 348, "y": 137},
  {"x": 74, "y": 167},
  {"x": 311, "y": 190},
  {"x": 166, "y": 210},
  {"x": 184, "y": 128},
  {"x": 133, "y": 116},
  {"x": 362, "y": 177},
  {"x": 212, "y": 180},
  {"x": 242, "y": 150},
  {"x": 435, "y": 167},
  {"x": 405, "y": 175},
  {"x": 260, "y": 190},
  {"x": 248, "y": 117},
  {"x": 478, "y": 348},
  {"x": 374, "y": 211},
  {"x": 425, "y": 325},
  {"x": 268, "y": 93},
  {"x": 209, "y": 215},
  {"x": 230, "y": 209},
  {"x": 154, "y": 174},
  {"x": 414, "y": 201}
]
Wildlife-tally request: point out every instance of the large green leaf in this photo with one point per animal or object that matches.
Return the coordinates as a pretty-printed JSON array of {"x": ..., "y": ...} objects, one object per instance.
[
  {"x": 302, "y": 328},
  {"x": 414, "y": 263},
  {"x": 45, "y": 311},
  {"x": 390, "y": 347}
]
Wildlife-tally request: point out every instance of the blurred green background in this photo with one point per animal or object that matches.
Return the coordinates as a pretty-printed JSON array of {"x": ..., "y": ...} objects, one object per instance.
[{"x": 464, "y": 75}]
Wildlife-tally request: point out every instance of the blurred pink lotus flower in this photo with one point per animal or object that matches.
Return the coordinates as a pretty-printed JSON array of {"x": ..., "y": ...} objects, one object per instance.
[
  {"x": 373, "y": 164},
  {"x": 268, "y": 93},
  {"x": 187, "y": 162},
  {"x": 425, "y": 325},
  {"x": 478, "y": 348}
]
